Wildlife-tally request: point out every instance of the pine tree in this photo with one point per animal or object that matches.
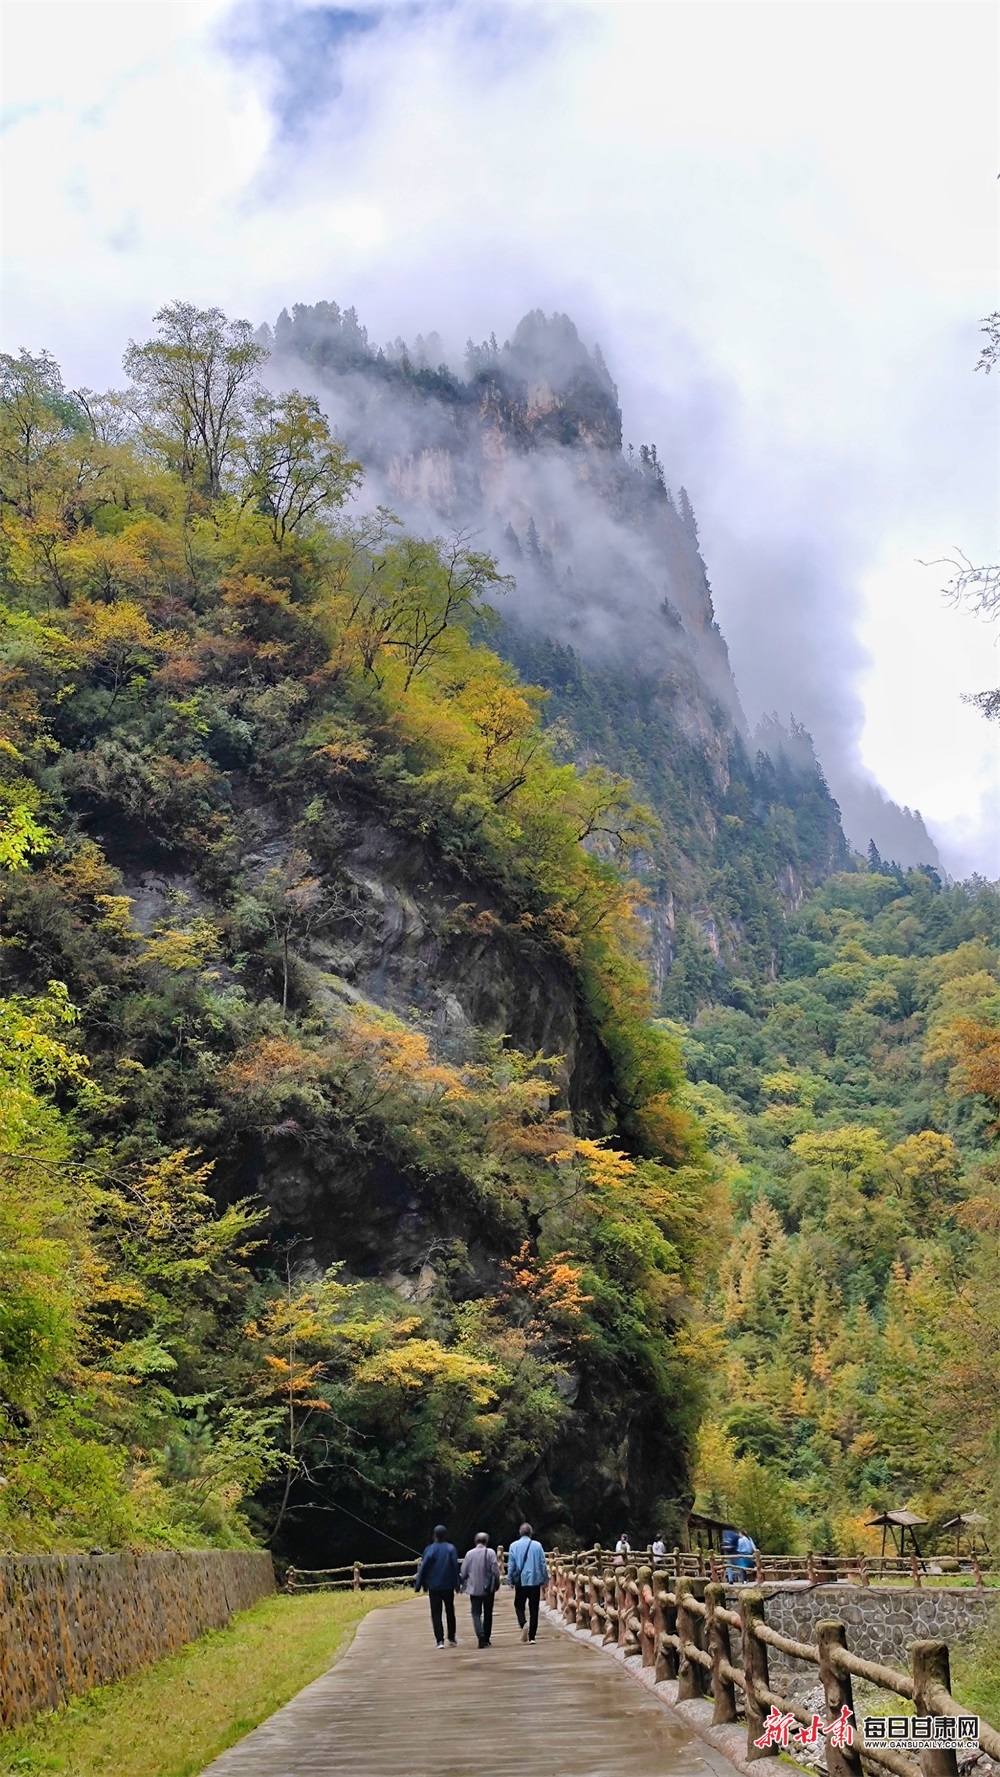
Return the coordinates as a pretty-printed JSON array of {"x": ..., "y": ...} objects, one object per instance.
[{"x": 688, "y": 519}]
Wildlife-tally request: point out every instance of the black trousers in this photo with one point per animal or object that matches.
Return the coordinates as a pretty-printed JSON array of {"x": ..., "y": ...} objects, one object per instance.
[
  {"x": 482, "y": 1615},
  {"x": 527, "y": 1595},
  {"x": 447, "y": 1600}
]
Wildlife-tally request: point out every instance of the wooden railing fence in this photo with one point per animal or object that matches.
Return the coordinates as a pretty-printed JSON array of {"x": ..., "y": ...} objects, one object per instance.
[
  {"x": 817, "y": 1569},
  {"x": 359, "y": 1576},
  {"x": 681, "y": 1627},
  {"x": 353, "y": 1576}
]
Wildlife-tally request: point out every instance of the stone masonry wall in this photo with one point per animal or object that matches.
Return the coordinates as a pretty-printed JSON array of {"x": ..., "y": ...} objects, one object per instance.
[
  {"x": 68, "y": 1622},
  {"x": 881, "y": 1621}
]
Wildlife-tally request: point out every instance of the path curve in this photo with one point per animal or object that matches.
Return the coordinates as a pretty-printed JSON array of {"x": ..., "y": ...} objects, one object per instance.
[{"x": 395, "y": 1706}]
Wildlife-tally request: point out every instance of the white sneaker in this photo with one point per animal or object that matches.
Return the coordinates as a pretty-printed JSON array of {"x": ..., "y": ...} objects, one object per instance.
[{"x": 524, "y": 1633}]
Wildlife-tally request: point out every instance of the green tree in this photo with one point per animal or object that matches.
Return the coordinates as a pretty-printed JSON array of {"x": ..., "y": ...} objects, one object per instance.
[
  {"x": 287, "y": 905},
  {"x": 194, "y": 386},
  {"x": 36, "y": 418},
  {"x": 399, "y": 597},
  {"x": 764, "y": 1505},
  {"x": 293, "y": 469}
]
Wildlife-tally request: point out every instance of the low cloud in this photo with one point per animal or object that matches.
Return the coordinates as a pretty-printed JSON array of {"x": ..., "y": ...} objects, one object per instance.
[{"x": 789, "y": 304}]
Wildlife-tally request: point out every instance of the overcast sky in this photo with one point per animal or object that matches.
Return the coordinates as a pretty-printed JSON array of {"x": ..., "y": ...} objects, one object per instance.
[{"x": 779, "y": 220}]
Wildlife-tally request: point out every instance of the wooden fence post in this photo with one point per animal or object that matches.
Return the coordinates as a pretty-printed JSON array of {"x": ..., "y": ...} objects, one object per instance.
[
  {"x": 755, "y": 1667},
  {"x": 914, "y": 1570},
  {"x": 931, "y": 1667},
  {"x": 583, "y": 1600},
  {"x": 629, "y": 1626},
  {"x": 841, "y": 1761},
  {"x": 647, "y": 1634},
  {"x": 717, "y": 1639},
  {"x": 609, "y": 1597},
  {"x": 665, "y": 1665},
  {"x": 690, "y": 1675},
  {"x": 622, "y": 1605},
  {"x": 569, "y": 1605}
]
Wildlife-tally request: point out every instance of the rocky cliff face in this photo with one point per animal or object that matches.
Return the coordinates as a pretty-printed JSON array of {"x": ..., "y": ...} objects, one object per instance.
[
  {"x": 415, "y": 938},
  {"x": 527, "y": 452},
  {"x": 404, "y": 932},
  {"x": 609, "y": 609}
]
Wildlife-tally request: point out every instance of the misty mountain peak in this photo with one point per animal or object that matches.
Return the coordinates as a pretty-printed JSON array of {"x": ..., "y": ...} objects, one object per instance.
[
  {"x": 548, "y": 348},
  {"x": 526, "y": 451},
  {"x": 549, "y": 383}
]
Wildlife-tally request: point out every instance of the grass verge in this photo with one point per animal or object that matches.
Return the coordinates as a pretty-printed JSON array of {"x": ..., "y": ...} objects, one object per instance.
[
  {"x": 172, "y": 1719},
  {"x": 975, "y": 1673}
]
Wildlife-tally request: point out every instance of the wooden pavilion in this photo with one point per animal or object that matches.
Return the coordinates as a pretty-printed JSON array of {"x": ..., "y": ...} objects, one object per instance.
[
  {"x": 705, "y": 1532},
  {"x": 897, "y": 1524},
  {"x": 973, "y": 1524}
]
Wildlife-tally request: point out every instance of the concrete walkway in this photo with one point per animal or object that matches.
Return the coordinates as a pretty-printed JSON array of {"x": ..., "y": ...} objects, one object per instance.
[{"x": 395, "y": 1706}]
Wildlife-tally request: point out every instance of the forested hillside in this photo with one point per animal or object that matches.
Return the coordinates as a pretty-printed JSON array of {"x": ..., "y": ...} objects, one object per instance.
[
  {"x": 345, "y": 1180},
  {"x": 438, "y": 1070},
  {"x": 857, "y": 1311},
  {"x": 746, "y": 827}
]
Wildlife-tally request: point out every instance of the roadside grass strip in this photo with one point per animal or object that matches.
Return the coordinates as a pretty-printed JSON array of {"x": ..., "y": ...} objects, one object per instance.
[
  {"x": 172, "y": 1719},
  {"x": 975, "y": 1672}
]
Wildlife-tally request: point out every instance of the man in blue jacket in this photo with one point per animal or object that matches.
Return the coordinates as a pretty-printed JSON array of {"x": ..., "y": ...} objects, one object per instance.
[
  {"x": 437, "y": 1575},
  {"x": 527, "y": 1573}
]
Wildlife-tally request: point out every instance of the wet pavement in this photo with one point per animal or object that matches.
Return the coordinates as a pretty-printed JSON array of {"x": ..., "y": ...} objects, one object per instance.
[{"x": 396, "y": 1706}]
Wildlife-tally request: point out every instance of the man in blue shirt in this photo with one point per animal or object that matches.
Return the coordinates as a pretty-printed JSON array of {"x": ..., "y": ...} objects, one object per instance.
[
  {"x": 527, "y": 1573},
  {"x": 437, "y": 1575}
]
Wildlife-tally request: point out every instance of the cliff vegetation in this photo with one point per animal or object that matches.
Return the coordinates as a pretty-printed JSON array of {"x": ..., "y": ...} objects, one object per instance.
[
  {"x": 447, "y": 1072},
  {"x": 345, "y": 1179},
  {"x": 857, "y": 1309}
]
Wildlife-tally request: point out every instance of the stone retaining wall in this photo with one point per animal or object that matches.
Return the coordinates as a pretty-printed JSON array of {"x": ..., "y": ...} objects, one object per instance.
[
  {"x": 68, "y": 1622},
  {"x": 881, "y": 1621}
]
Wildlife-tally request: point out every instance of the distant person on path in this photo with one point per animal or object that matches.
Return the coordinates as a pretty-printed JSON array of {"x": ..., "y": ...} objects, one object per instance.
[
  {"x": 730, "y": 1542},
  {"x": 623, "y": 1549},
  {"x": 527, "y": 1573},
  {"x": 438, "y": 1576},
  {"x": 480, "y": 1579},
  {"x": 746, "y": 1549},
  {"x": 659, "y": 1550}
]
